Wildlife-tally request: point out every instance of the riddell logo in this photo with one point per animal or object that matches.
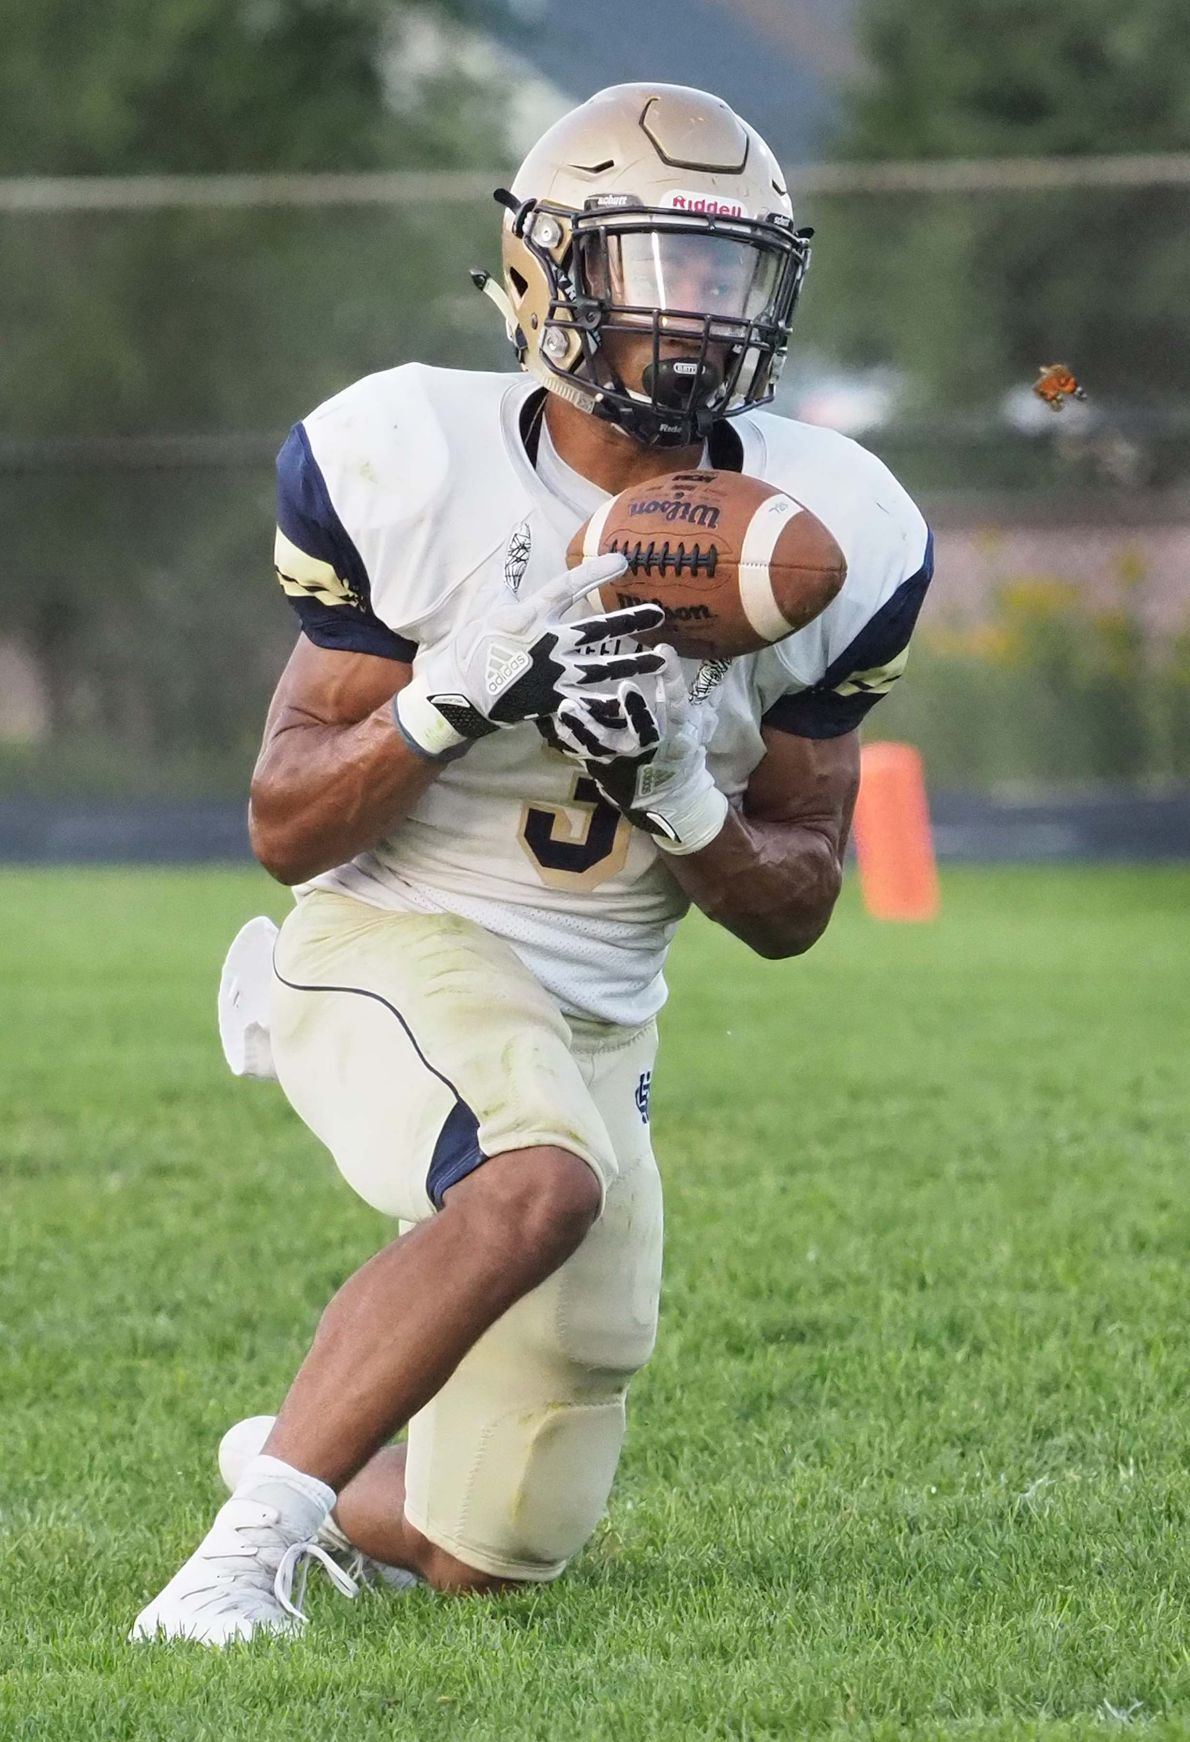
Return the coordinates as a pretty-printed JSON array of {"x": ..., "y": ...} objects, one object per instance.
[{"x": 706, "y": 204}]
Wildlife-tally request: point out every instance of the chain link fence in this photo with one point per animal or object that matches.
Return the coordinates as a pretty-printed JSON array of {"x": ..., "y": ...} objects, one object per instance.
[{"x": 163, "y": 334}]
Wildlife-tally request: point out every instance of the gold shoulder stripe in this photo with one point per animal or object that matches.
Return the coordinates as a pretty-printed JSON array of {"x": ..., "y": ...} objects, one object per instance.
[
  {"x": 876, "y": 682},
  {"x": 308, "y": 577}
]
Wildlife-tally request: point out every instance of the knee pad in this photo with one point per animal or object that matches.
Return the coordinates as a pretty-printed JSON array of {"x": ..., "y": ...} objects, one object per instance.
[
  {"x": 510, "y": 1466},
  {"x": 606, "y": 1296}
]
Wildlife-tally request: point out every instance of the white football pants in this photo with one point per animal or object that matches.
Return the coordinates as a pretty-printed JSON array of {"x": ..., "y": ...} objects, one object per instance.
[{"x": 415, "y": 1046}]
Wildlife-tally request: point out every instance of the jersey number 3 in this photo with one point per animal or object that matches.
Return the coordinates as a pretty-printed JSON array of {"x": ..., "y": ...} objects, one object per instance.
[{"x": 566, "y": 856}]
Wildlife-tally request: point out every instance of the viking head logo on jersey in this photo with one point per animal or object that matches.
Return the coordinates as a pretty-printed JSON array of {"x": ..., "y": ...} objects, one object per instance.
[{"x": 651, "y": 264}]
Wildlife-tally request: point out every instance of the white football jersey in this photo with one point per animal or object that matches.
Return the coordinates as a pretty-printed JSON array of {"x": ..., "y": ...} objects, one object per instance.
[{"x": 410, "y": 503}]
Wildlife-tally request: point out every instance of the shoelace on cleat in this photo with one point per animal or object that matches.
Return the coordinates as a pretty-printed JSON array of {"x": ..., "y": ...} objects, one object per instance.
[
  {"x": 367, "y": 1573},
  {"x": 295, "y": 1565}
]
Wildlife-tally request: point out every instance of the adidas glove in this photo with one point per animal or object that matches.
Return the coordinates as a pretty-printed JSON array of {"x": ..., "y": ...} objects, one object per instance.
[
  {"x": 520, "y": 662},
  {"x": 662, "y": 785}
]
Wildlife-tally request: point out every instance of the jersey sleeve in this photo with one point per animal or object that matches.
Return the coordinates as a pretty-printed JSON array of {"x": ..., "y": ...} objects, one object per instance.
[
  {"x": 865, "y": 669},
  {"x": 318, "y": 565}
]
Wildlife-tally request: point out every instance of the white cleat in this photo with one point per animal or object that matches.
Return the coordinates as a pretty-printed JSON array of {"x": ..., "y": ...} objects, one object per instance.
[
  {"x": 245, "y": 1441},
  {"x": 239, "y": 1581}
]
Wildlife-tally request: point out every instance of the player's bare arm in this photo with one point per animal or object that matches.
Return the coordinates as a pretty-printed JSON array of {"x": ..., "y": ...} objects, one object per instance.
[
  {"x": 773, "y": 873},
  {"x": 768, "y": 869},
  {"x": 352, "y": 741},
  {"x": 333, "y": 776}
]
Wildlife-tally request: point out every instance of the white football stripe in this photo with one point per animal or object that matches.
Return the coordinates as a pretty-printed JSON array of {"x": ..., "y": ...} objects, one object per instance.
[
  {"x": 756, "y": 587},
  {"x": 595, "y": 528}
]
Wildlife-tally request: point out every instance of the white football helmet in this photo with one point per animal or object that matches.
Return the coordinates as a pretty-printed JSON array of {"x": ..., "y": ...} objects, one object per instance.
[{"x": 652, "y": 209}]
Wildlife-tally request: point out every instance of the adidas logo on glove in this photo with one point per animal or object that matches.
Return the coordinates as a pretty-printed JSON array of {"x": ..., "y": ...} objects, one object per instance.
[{"x": 505, "y": 664}]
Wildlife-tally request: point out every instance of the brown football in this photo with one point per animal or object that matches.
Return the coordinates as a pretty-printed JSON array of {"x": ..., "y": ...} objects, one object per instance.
[{"x": 734, "y": 563}]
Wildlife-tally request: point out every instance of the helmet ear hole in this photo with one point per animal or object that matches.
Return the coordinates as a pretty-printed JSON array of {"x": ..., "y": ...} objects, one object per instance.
[{"x": 519, "y": 283}]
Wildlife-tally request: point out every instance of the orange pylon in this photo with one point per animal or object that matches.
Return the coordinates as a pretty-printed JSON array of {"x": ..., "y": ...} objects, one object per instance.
[{"x": 898, "y": 875}]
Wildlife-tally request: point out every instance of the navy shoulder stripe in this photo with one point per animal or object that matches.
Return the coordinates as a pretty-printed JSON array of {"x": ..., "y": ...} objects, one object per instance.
[
  {"x": 866, "y": 669},
  {"x": 330, "y": 590}
]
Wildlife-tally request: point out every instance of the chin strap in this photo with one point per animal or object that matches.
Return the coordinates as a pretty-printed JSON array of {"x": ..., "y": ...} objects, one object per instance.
[
  {"x": 495, "y": 292},
  {"x": 580, "y": 393}
]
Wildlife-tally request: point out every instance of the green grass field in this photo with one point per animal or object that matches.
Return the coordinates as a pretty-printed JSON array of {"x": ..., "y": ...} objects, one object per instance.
[{"x": 911, "y": 1460}]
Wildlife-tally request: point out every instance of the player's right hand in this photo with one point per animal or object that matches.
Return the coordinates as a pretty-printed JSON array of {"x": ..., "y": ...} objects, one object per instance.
[{"x": 520, "y": 662}]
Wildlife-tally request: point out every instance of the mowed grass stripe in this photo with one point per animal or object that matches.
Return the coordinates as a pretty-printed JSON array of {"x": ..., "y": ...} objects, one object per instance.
[{"x": 910, "y": 1460}]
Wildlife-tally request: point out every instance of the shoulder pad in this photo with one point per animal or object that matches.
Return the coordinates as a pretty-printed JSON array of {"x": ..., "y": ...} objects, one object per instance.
[
  {"x": 871, "y": 515},
  {"x": 400, "y": 451},
  {"x": 858, "y": 646}
]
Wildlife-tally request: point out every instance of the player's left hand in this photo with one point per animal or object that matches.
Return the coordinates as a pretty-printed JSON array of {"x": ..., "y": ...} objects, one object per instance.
[
  {"x": 598, "y": 730},
  {"x": 662, "y": 784}
]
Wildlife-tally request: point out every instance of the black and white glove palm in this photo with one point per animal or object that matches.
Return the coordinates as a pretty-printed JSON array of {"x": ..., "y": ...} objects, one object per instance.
[
  {"x": 660, "y": 782},
  {"x": 520, "y": 662}
]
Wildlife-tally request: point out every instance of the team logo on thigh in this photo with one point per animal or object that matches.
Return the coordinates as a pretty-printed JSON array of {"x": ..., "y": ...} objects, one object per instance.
[{"x": 642, "y": 1095}]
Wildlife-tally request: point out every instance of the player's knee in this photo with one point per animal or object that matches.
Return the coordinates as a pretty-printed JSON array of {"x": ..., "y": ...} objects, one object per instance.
[
  {"x": 557, "y": 1199},
  {"x": 455, "y": 1579},
  {"x": 444, "y": 1572},
  {"x": 546, "y": 1199}
]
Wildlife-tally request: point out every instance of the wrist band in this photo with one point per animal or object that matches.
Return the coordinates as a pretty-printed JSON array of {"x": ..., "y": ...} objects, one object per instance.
[
  {"x": 700, "y": 827},
  {"x": 423, "y": 728}
]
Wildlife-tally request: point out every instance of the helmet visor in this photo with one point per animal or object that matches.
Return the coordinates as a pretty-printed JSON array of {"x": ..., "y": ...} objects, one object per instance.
[
  {"x": 710, "y": 295},
  {"x": 683, "y": 274}
]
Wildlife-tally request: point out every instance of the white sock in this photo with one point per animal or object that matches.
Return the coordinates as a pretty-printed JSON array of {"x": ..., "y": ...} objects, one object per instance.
[{"x": 303, "y": 1501}]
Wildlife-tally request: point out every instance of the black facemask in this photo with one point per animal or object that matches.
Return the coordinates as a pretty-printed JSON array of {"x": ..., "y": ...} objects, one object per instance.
[{"x": 633, "y": 269}]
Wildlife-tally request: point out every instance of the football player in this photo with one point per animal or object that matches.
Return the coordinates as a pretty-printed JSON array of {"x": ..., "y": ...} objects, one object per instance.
[{"x": 495, "y": 805}]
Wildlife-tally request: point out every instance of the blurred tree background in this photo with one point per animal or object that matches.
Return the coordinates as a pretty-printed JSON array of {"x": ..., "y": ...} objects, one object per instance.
[
  {"x": 1009, "y": 78},
  {"x": 165, "y": 322},
  {"x": 194, "y": 86},
  {"x": 138, "y": 586},
  {"x": 966, "y": 294}
]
